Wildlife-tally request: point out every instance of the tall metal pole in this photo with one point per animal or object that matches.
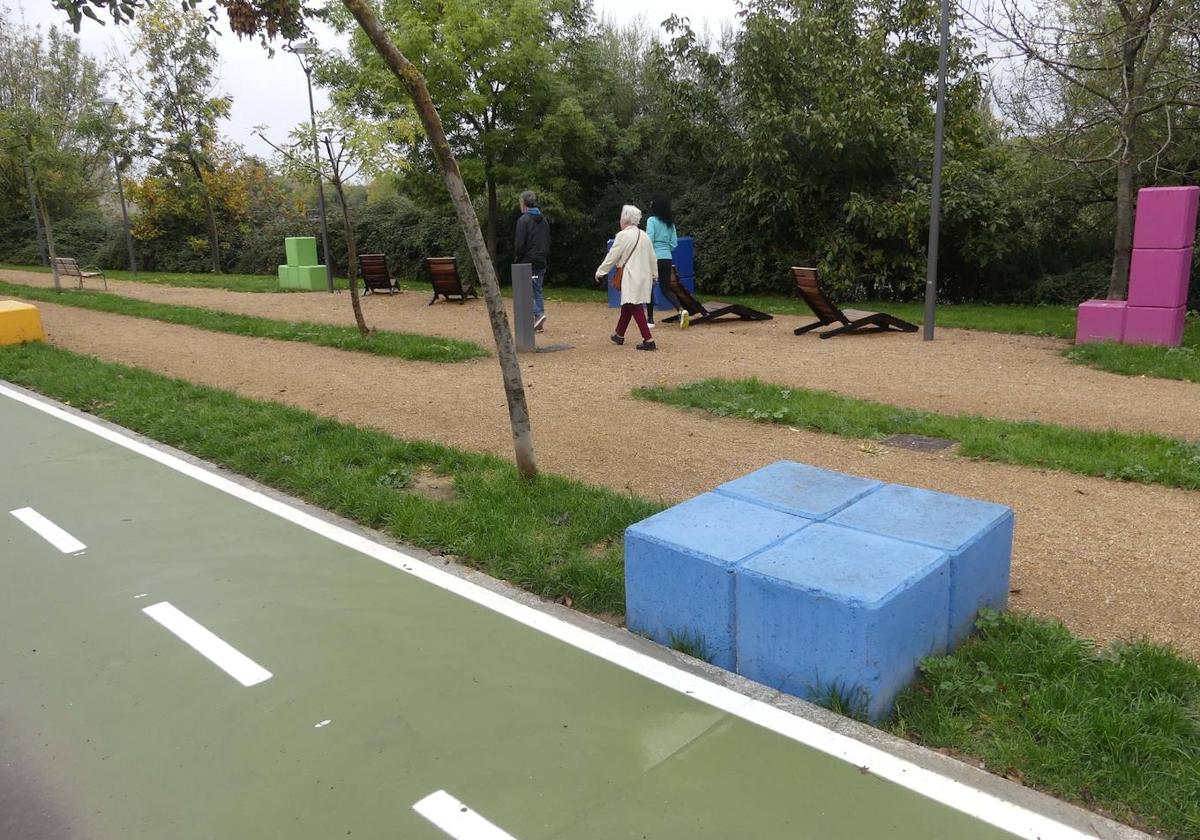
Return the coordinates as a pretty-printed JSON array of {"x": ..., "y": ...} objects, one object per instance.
[
  {"x": 124, "y": 214},
  {"x": 935, "y": 210},
  {"x": 312, "y": 115}
]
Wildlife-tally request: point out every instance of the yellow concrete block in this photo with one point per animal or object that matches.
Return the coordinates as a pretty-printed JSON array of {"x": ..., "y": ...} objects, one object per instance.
[{"x": 19, "y": 322}]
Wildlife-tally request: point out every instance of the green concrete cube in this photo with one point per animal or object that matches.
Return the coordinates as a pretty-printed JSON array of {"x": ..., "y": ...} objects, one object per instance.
[
  {"x": 301, "y": 250},
  {"x": 309, "y": 277},
  {"x": 285, "y": 277}
]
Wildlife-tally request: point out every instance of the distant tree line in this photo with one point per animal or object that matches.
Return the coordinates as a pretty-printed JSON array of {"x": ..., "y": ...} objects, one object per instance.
[{"x": 803, "y": 136}]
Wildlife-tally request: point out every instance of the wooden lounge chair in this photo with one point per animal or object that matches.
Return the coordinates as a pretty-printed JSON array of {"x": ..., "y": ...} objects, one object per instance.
[
  {"x": 68, "y": 267},
  {"x": 809, "y": 288},
  {"x": 711, "y": 311},
  {"x": 375, "y": 274},
  {"x": 443, "y": 274}
]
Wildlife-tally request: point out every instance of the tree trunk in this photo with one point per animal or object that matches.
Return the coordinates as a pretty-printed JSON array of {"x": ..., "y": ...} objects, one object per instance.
[
  {"x": 213, "y": 243},
  {"x": 37, "y": 216},
  {"x": 351, "y": 247},
  {"x": 493, "y": 213},
  {"x": 414, "y": 82},
  {"x": 1118, "y": 283},
  {"x": 49, "y": 228}
]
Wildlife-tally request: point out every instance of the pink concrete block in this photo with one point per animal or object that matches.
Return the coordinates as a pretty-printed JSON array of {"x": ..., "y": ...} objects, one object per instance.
[
  {"x": 1166, "y": 217},
  {"x": 1159, "y": 277},
  {"x": 1100, "y": 320},
  {"x": 1154, "y": 325}
]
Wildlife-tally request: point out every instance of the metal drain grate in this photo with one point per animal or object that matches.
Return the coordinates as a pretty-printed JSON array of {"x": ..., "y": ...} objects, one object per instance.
[{"x": 918, "y": 443}]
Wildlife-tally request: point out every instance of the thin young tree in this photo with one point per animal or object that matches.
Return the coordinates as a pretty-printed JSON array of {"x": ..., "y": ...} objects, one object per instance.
[
  {"x": 268, "y": 19},
  {"x": 176, "y": 83},
  {"x": 1101, "y": 85},
  {"x": 352, "y": 148}
]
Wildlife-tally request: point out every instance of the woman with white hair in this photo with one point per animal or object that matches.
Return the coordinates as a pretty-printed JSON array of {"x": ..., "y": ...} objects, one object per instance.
[{"x": 633, "y": 251}]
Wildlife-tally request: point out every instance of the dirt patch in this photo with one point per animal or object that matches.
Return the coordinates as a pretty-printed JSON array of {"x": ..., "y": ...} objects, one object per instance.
[
  {"x": 439, "y": 488},
  {"x": 1112, "y": 560}
]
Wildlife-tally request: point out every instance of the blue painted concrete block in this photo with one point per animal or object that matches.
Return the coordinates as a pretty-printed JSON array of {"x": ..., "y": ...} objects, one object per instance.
[
  {"x": 977, "y": 535},
  {"x": 679, "y": 568},
  {"x": 682, "y": 256},
  {"x": 799, "y": 489},
  {"x": 833, "y": 608}
]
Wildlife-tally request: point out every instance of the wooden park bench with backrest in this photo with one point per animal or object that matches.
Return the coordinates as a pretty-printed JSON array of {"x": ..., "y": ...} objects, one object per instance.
[
  {"x": 68, "y": 267},
  {"x": 443, "y": 274},
  {"x": 375, "y": 274},
  {"x": 808, "y": 286},
  {"x": 710, "y": 311}
]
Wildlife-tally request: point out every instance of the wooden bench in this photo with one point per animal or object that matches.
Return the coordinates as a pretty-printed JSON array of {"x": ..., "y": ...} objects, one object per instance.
[
  {"x": 375, "y": 274},
  {"x": 443, "y": 274},
  {"x": 68, "y": 267}
]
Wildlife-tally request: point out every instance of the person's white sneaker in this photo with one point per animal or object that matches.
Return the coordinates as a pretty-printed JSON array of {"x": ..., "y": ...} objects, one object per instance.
[
  {"x": 650, "y": 324},
  {"x": 540, "y": 324},
  {"x": 685, "y": 319}
]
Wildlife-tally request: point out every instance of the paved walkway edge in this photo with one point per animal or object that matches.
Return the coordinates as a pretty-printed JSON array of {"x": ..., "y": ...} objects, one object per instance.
[{"x": 760, "y": 704}]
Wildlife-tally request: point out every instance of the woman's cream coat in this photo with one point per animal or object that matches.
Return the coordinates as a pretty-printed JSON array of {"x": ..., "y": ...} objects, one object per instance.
[{"x": 632, "y": 248}]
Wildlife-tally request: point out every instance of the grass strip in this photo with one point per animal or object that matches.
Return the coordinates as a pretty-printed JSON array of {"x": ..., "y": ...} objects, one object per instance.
[
  {"x": 552, "y": 536},
  {"x": 410, "y": 346},
  {"x": 1122, "y": 456},
  {"x": 196, "y": 280},
  {"x": 1162, "y": 362},
  {"x": 1116, "y": 728}
]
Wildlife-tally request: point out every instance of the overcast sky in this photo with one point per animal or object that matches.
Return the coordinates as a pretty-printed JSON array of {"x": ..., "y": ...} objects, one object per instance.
[{"x": 271, "y": 91}]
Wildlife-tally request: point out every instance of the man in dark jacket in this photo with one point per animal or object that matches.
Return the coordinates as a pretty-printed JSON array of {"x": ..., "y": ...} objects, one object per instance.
[{"x": 533, "y": 247}]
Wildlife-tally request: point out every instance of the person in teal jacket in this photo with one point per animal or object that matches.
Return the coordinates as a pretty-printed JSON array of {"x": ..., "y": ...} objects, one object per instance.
[{"x": 660, "y": 227}]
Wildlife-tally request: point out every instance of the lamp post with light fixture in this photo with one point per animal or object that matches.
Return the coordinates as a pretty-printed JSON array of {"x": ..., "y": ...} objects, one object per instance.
[
  {"x": 111, "y": 104},
  {"x": 306, "y": 51}
]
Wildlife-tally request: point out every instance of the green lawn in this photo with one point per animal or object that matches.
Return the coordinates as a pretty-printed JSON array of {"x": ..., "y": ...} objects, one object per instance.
[
  {"x": 410, "y": 346},
  {"x": 1116, "y": 729},
  {"x": 230, "y": 282},
  {"x": 1143, "y": 458}
]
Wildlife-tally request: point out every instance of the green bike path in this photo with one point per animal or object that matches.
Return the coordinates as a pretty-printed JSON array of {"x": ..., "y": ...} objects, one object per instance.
[{"x": 388, "y": 682}]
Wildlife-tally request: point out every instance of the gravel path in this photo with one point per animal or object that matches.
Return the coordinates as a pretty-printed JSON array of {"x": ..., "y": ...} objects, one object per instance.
[{"x": 1112, "y": 560}]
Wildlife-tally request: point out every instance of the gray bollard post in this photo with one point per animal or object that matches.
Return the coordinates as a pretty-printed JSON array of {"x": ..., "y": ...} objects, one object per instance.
[{"x": 522, "y": 286}]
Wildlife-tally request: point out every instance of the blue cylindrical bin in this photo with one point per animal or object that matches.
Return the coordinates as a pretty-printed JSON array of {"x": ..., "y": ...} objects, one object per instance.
[{"x": 684, "y": 257}]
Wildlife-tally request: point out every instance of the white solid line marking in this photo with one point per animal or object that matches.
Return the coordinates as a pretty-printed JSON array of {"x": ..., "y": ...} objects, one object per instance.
[
  {"x": 456, "y": 819},
  {"x": 960, "y": 796},
  {"x": 212, "y": 647},
  {"x": 48, "y": 531}
]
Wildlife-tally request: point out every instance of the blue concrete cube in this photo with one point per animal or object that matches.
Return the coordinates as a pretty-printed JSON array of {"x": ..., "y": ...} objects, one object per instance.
[
  {"x": 837, "y": 609},
  {"x": 799, "y": 489},
  {"x": 977, "y": 535},
  {"x": 679, "y": 569}
]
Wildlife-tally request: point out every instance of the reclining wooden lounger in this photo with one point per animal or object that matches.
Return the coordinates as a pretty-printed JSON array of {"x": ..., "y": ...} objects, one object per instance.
[
  {"x": 375, "y": 274},
  {"x": 711, "y": 311},
  {"x": 68, "y": 267},
  {"x": 443, "y": 274},
  {"x": 809, "y": 288}
]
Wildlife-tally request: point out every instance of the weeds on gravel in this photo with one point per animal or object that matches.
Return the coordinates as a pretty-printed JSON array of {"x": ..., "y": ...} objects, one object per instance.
[
  {"x": 555, "y": 537},
  {"x": 410, "y": 346},
  {"x": 1122, "y": 456},
  {"x": 1116, "y": 728}
]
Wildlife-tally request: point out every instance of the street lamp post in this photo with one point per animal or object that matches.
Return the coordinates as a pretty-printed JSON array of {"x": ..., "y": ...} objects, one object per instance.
[
  {"x": 307, "y": 50},
  {"x": 111, "y": 105},
  {"x": 935, "y": 209}
]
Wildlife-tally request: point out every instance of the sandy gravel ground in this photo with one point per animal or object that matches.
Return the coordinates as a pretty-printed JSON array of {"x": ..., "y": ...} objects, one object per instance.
[{"x": 1112, "y": 560}]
